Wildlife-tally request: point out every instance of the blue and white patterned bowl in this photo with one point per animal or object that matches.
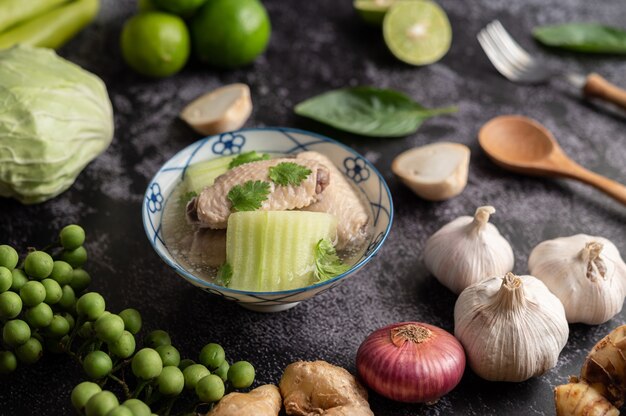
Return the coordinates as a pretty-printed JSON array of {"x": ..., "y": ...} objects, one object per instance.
[{"x": 268, "y": 140}]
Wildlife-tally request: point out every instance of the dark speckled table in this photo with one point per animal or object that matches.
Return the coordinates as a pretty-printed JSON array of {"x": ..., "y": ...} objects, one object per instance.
[{"x": 317, "y": 46}]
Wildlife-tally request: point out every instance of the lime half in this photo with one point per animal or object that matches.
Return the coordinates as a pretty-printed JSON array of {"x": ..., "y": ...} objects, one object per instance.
[
  {"x": 417, "y": 32},
  {"x": 372, "y": 11}
]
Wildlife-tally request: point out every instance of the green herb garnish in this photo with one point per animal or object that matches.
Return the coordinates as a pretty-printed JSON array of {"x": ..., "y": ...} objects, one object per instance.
[
  {"x": 249, "y": 196},
  {"x": 327, "y": 263},
  {"x": 225, "y": 274},
  {"x": 289, "y": 173},
  {"x": 583, "y": 37},
  {"x": 247, "y": 157},
  {"x": 368, "y": 111},
  {"x": 186, "y": 197}
]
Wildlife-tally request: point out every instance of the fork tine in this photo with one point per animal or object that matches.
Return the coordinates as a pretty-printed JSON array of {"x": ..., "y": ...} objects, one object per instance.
[
  {"x": 502, "y": 65},
  {"x": 521, "y": 68},
  {"x": 509, "y": 46}
]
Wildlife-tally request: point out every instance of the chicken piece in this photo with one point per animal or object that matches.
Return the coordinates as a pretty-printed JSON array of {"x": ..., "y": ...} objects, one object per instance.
[
  {"x": 320, "y": 388},
  {"x": 341, "y": 200},
  {"x": 208, "y": 247},
  {"x": 212, "y": 207},
  {"x": 262, "y": 401}
]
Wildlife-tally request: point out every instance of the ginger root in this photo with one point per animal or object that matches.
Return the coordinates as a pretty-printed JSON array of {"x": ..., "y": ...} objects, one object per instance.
[
  {"x": 577, "y": 398},
  {"x": 320, "y": 388},
  {"x": 262, "y": 401}
]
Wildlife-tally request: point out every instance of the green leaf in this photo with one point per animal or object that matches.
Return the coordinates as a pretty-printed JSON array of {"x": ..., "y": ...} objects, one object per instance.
[
  {"x": 247, "y": 157},
  {"x": 368, "y": 111},
  {"x": 225, "y": 274},
  {"x": 289, "y": 173},
  {"x": 327, "y": 263},
  {"x": 249, "y": 196},
  {"x": 186, "y": 197},
  {"x": 583, "y": 37}
]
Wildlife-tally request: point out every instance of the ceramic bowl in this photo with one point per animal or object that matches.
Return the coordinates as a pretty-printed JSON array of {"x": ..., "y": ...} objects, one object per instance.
[{"x": 269, "y": 140}]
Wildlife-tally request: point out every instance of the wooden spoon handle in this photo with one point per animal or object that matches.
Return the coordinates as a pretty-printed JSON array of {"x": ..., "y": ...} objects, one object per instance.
[
  {"x": 606, "y": 185},
  {"x": 598, "y": 87}
]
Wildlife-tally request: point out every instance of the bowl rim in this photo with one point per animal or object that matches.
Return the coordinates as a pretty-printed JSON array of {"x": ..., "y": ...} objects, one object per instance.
[{"x": 201, "y": 282}]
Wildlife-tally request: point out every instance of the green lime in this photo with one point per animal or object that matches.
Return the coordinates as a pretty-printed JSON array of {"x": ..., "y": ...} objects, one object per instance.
[
  {"x": 372, "y": 11},
  {"x": 183, "y": 8},
  {"x": 230, "y": 34},
  {"x": 417, "y": 32},
  {"x": 155, "y": 44}
]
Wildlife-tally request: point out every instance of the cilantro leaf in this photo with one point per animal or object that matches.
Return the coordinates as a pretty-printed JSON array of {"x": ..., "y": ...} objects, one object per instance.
[
  {"x": 186, "y": 197},
  {"x": 225, "y": 274},
  {"x": 249, "y": 196},
  {"x": 327, "y": 263},
  {"x": 289, "y": 173},
  {"x": 247, "y": 157}
]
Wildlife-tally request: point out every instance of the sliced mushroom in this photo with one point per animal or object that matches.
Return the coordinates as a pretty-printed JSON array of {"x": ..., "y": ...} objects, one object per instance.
[
  {"x": 224, "y": 109},
  {"x": 436, "y": 171}
]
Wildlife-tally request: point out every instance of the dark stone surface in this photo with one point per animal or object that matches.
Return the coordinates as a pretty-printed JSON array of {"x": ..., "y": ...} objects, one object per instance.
[{"x": 318, "y": 46}]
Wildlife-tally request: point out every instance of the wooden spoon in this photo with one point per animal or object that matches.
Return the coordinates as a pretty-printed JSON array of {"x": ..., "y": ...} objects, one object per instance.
[{"x": 523, "y": 145}]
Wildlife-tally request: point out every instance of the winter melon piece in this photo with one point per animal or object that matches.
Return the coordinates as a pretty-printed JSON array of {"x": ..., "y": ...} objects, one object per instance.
[
  {"x": 275, "y": 250},
  {"x": 202, "y": 174}
]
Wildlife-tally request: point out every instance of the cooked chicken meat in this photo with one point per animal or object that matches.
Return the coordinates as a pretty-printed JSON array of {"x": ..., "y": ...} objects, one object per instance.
[
  {"x": 212, "y": 207},
  {"x": 340, "y": 199}
]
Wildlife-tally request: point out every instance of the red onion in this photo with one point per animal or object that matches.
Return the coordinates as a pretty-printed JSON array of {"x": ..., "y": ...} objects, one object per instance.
[{"x": 411, "y": 362}]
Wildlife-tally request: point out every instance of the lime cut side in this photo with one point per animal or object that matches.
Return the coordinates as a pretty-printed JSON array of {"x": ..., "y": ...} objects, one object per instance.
[
  {"x": 417, "y": 32},
  {"x": 372, "y": 11}
]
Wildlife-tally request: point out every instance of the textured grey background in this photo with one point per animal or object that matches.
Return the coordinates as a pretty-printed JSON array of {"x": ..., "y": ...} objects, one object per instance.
[{"x": 317, "y": 46}]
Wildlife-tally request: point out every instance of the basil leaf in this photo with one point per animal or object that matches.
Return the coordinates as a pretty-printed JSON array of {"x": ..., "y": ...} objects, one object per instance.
[
  {"x": 368, "y": 111},
  {"x": 583, "y": 37}
]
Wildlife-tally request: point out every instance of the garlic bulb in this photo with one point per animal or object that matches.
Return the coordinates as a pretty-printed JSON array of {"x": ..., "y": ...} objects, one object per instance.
[
  {"x": 512, "y": 328},
  {"x": 586, "y": 273},
  {"x": 467, "y": 251}
]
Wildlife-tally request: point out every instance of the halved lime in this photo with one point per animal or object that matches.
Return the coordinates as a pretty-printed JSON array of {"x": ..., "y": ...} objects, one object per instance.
[
  {"x": 417, "y": 32},
  {"x": 372, "y": 11}
]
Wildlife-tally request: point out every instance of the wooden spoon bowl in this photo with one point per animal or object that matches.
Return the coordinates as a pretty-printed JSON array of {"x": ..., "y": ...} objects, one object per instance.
[{"x": 523, "y": 145}]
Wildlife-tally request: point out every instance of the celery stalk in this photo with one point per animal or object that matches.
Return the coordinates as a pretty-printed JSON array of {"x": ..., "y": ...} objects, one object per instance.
[
  {"x": 13, "y": 12},
  {"x": 54, "y": 28},
  {"x": 202, "y": 174},
  {"x": 275, "y": 250}
]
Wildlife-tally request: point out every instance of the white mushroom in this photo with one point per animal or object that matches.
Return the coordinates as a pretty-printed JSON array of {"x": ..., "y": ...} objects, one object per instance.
[
  {"x": 436, "y": 171},
  {"x": 224, "y": 109}
]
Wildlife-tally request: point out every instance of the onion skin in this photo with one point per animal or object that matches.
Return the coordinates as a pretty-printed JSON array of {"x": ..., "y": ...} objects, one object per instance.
[{"x": 410, "y": 370}]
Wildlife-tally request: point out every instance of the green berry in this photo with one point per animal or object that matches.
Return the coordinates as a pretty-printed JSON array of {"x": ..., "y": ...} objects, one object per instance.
[
  {"x": 39, "y": 316},
  {"x": 193, "y": 374},
  {"x": 6, "y": 279},
  {"x": 33, "y": 293},
  {"x": 132, "y": 320},
  {"x": 8, "y": 362},
  {"x": 62, "y": 272},
  {"x": 185, "y": 363},
  {"x": 19, "y": 279},
  {"x": 86, "y": 330},
  {"x": 91, "y": 305},
  {"x": 68, "y": 299},
  {"x": 120, "y": 411},
  {"x": 70, "y": 319},
  {"x": 54, "y": 293},
  {"x": 222, "y": 371},
  {"x": 241, "y": 374},
  {"x": 97, "y": 364},
  {"x": 10, "y": 305},
  {"x": 158, "y": 338},
  {"x": 29, "y": 352},
  {"x": 171, "y": 381},
  {"x": 76, "y": 258},
  {"x": 101, "y": 403},
  {"x": 15, "y": 333},
  {"x": 138, "y": 407},
  {"x": 8, "y": 257},
  {"x": 147, "y": 364},
  {"x": 38, "y": 264},
  {"x": 80, "y": 280},
  {"x": 210, "y": 388},
  {"x": 58, "y": 327},
  {"x": 82, "y": 393},
  {"x": 169, "y": 355},
  {"x": 212, "y": 356},
  {"x": 124, "y": 346},
  {"x": 72, "y": 236},
  {"x": 109, "y": 327}
]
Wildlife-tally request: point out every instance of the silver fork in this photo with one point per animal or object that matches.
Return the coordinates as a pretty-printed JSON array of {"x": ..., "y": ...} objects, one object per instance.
[{"x": 512, "y": 61}]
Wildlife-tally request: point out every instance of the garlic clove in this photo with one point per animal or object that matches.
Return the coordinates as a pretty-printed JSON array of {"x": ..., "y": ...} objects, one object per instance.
[
  {"x": 585, "y": 272},
  {"x": 436, "y": 171},
  {"x": 468, "y": 250},
  {"x": 512, "y": 327},
  {"x": 225, "y": 109}
]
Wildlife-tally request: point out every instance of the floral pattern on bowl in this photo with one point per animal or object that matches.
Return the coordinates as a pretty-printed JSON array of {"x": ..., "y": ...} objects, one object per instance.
[{"x": 268, "y": 140}]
